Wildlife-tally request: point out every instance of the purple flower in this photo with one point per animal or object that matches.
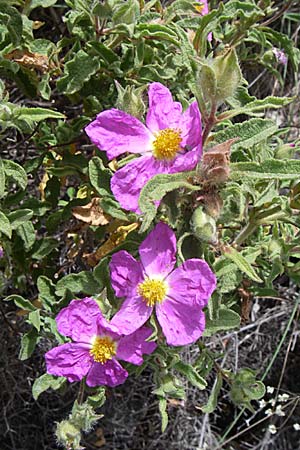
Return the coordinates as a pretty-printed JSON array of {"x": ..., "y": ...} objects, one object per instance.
[
  {"x": 170, "y": 142},
  {"x": 178, "y": 295},
  {"x": 97, "y": 345},
  {"x": 1, "y": 252},
  {"x": 280, "y": 56},
  {"x": 203, "y": 7}
]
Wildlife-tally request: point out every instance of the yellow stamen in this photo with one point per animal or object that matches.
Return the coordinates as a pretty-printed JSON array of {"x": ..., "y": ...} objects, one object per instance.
[
  {"x": 152, "y": 291},
  {"x": 103, "y": 349},
  {"x": 167, "y": 144}
]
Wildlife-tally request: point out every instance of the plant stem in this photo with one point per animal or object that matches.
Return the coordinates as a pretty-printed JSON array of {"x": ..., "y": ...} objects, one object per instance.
[{"x": 245, "y": 232}]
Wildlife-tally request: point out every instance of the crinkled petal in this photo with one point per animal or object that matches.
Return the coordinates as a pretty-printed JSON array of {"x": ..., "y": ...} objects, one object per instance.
[
  {"x": 190, "y": 126},
  {"x": 125, "y": 273},
  {"x": 192, "y": 283},
  {"x": 70, "y": 360},
  {"x": 127, "y": 183},
  {"x": 79, "y": 320},
  {"x": 181, "y": 323},
  {"x": 158, "y": 251},
  {"x": 132, "y": 315},
  {"x": 132, "y": 347},
  {"x": 186, "y": 161},
  {"x": 117, "y": 132},
  {"x": 110, "y": 374},
  {"x": 163, "y": 112}
]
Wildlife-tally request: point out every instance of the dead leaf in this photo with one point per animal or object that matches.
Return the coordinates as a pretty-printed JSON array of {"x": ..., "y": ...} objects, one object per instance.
[
  {"x": 30, "y": 60},
  {"x": 215, "y": 163},
  {"x": 117, "y": 236},
  {"x": 92, "y": 213}
]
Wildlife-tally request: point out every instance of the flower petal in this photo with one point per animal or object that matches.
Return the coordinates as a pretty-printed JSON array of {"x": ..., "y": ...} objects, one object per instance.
[
  {"x": 110, "y": 374},
  {"x": 127, "y": 183},
  {"x": 117, "y": 132},
  {"x": 181, "y": 323},
  {"x": 163, "y": 112},
  {"x": 190, "y": 126},
  {"x": 125, "y": 273},
  {"x": 79, "y": 319},
  {"x": 132, "y": 347},
  {"x": 70, "y": 360},
  {"x": 192, "y": 283},
  {"x": 158, "y": 251},
  {"x": 186, "y": 161},
  {"x": 132, "y": 315}
]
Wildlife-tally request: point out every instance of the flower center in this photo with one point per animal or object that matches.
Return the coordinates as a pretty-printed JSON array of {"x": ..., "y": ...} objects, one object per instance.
[
  {"x": 167, "y": 144},
  {"x": 152, "y": 291},
  {"x": 103, "y": 349}
]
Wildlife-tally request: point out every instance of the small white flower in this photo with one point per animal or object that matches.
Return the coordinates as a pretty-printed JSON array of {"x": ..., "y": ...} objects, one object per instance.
[
  {"x": 272, "y": 429},
  {"x": 296, "y": 426},
  {"x": 279, "y": 411},
  {"x": 283, "y": 398},
  {"x": 262, "y": 403},
  {"x": 268, "y": 412},
  {"x": 270, "y": 389},
  {"x": 272, "y": 402}
]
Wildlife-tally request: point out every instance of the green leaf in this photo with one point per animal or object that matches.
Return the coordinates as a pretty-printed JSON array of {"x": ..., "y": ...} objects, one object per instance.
[
  {"x": 157, "y": 31},
  {"x": 5, "y": 227},
  {"x": 27, "y": 234},
  {"x": 43, "y": 3},
  {"x": 2, "y": 179},
  {"x": 44, "y": 247},
  {"x": 83, "y": 282},
  {"x": 20, "y": 302},
  {"x": 100, "y": 176},
  {"x": 227, "y": 320},
  {"x": 258, "y": 105},
  {"x": 162, "y": 406},
  {"x": 266, "y": 170},
  {"x": 213, "y": 398},
  {"x": 35, "y": 319},
  {"x": 156, "y": 188},
  {"x": 45, "y": 382},
  {"x": 249, "y": 133},
  {"x": 46, "y": 291},
  {"x": 16, "y": 172},
  {"x": 11, "y": 19},
  {"x": 77, "y": 72},
  {"x": 28, "y": 344},
  {"x": 38, "y": 114},
  {"x": 241, "y": 262},
  {"x": 191, "y": 374},
  {"x": 19, "y": 217}
]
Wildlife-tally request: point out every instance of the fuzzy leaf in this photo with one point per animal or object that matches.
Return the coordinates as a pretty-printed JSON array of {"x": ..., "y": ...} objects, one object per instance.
[
  {"x": 21, "y": 302},
  {"x": 27, "y": 234},
  {"x": 83, "y": 282},
  {"x": 5, "y": 227},
  {"x": 45, "y": 382},
  {"x": 99, "y": 176},
  {"x": 213, "y": 398},
  {"x": 38, "y": 114},
  {"x": 77, "y": 72},
  {"x": 191, "y": 374},
  {"x": 249, "y": 133},
  {"x": 16, "y": 172},
  {"x": 267, "y": 170},
  {"x": 241, "y": 262},
  {"x": 227, "y": 320},
  {"x": 28, "y": 343},
  {"x": 155, "y": 190}
]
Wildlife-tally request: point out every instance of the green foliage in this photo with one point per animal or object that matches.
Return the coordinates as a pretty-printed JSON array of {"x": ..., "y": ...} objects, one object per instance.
[{"x": 100, "y": 55}]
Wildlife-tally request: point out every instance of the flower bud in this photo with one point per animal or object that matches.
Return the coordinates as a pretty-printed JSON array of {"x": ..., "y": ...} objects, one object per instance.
[
  {"x": 228, "y": 74},
  {"x": 130, "y": 100},
  {"x": 285, "y": 151},
  {"x": 68, "y": 435},
  {"x": 204, "y": 226}
]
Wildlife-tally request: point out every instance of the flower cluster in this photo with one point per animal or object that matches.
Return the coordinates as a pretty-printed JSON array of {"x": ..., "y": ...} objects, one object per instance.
[{"x": 170, "y": 142}]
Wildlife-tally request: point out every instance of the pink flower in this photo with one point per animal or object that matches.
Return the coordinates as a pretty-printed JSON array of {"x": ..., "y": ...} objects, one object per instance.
[
  {"x": 280, "y": 56},
  {"x": 178, "y": 295},
  {"x": 170, "y": 142},
  {"x": 97, "y": 345}
]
